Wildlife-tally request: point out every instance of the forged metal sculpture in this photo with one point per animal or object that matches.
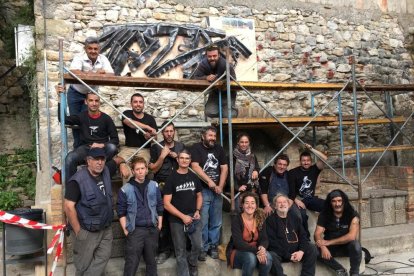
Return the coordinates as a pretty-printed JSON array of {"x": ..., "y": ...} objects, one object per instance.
[{"x": 117, "y": 39}]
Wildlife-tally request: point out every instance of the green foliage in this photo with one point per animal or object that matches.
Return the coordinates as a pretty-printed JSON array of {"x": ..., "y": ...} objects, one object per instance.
[
  {"x": 9, "y": 200},
  {"x": 17, "y": 172}
]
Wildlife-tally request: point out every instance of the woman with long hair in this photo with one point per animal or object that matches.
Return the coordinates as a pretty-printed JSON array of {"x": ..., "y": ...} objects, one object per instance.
[
  {"x": 247, "y": 246},
  {"x": 246, "y": 168}
]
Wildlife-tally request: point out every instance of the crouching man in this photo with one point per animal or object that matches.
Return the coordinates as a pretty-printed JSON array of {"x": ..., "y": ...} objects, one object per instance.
[
  {"x": 336, "y": 233},
  {"x": 288, "y": 240}
]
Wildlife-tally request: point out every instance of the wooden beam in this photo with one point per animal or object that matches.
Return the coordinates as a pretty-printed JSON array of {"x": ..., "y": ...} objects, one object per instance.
[
  {"x": 396, "y": 120},
  {"x": 199, "y": 85},
  {"x": 302, "y": 120},
  {"x": 377, "y": 149}
]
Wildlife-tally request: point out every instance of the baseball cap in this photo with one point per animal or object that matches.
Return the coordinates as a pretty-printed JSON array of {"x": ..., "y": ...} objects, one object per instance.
[{"x": 97, "y": 152}]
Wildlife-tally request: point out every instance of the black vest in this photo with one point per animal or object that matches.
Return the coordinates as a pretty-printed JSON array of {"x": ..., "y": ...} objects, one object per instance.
[{"x": 94, "y": 208}]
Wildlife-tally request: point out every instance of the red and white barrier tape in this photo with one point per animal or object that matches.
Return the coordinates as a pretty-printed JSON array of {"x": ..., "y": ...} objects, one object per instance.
[{"x": 57, "y": 239}]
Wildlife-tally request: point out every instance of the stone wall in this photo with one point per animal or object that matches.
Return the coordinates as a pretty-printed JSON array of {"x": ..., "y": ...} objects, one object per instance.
[{"x": 14, "y": 102}]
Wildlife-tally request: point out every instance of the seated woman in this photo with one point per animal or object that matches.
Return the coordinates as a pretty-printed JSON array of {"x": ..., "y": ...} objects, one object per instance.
[
  {"x": 246, "y": 168},
  {"x": 247, "y": 246}
]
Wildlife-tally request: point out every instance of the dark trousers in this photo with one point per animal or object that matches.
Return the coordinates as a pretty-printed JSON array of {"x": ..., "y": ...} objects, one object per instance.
[
  {"x": 76, "y": 104},
  {"x": 352, "y": 250},
  {"x": 165, "y": 243},
  {"x": 78, "y": 155},
  {"x": 212, "y": 108},
  {"x": 308, "y": 262},
  {"x": 143, "y": 240},
  {"x": 179, "y": 238},
  {"x": 314, "y": 203}
]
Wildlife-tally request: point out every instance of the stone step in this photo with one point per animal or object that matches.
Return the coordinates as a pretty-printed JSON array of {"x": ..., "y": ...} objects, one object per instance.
[
  {"x": 388, "y": 239},
  {"x": 210, "y": 267}
]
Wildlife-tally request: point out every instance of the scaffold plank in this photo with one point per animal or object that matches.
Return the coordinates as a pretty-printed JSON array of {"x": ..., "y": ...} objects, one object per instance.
[
  {"x": 378, "y": 121},
  {"x": 301, "y": 120},
  {"x": 199, "y": 85},
  {"x": 375, "y": 149}
]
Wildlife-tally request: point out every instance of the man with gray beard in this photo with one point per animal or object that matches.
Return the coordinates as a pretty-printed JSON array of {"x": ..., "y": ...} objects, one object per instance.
[{"x": 287, "y": 239}]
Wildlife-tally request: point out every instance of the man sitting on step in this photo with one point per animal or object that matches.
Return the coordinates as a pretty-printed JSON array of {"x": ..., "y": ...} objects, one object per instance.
[
  {"x": 288, "y": 241},
  {"x": 97, "y": 130},
  {"x": 336, "y": 233}
]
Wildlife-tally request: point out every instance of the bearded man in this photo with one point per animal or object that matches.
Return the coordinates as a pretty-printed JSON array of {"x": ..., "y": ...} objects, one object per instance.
[
  {"x": 210, "y": 163},
  {"x": 288, "y": 240},
  {"x": 336, "y": 233},
  {"x": 211, "y": 67}
]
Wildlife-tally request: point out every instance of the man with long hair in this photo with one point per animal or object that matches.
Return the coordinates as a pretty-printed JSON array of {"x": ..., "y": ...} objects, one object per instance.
[
  {"x": 336, "y": 233},
  {"x": 288, "y": 241}
]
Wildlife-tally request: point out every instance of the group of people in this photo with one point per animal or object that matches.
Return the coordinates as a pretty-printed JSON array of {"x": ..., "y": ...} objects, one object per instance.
[
  {"x": 183, "y": 200},
  {"x": 278, "y": 231}
]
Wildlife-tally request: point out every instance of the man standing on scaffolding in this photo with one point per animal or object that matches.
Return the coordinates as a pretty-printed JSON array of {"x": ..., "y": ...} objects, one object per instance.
[
  {"x": 210, "y": 163},
  {"x": 134, "y": 138},
  {"x": 88, "y": 62},
  {"x": 210, "y": 68}
]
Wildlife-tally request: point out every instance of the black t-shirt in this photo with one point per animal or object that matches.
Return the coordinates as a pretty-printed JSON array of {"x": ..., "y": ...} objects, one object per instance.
[
  {"x": 72, "y": 191},
  {"x": 209, "y": 159},
  {"x": 184, "y": 189},
  {"x": 93, "y": 129},
  {"x": 170, "y": 164},
  {"x": 335, "y": 227},
  {"x": 304, "y": 181},
  {"x": 132, "y": 138}
]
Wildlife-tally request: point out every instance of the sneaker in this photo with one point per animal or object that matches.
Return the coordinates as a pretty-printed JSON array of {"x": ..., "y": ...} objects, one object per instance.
[
  {"x": 203, "y": 256},
  {"x": 213, "y": 252},
  {"x": 162, "y": 257},
  {"x": 341, "y": 272}
]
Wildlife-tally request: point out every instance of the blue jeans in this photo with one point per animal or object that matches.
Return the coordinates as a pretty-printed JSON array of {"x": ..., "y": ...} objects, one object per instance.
[
  {"x": 180, "y": 241},
  {"x": 211, "y": 218},
  {"x": 78, "y": 155},
  {"x": 247, "y": 262},
  {"x": 76, "y": 103}
]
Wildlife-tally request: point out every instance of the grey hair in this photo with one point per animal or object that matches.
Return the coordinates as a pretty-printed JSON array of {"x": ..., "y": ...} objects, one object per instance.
[
  {"x": 91, "y": 40},
  {"x": 277, "y": 196}
]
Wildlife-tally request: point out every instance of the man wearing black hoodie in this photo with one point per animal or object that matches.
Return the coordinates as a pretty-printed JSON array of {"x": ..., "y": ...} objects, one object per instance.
[{"x": 212, "y": 67}]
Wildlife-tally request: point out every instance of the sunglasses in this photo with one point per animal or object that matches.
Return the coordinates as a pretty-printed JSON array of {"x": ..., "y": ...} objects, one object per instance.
[{"x": 291, "y": 237}]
